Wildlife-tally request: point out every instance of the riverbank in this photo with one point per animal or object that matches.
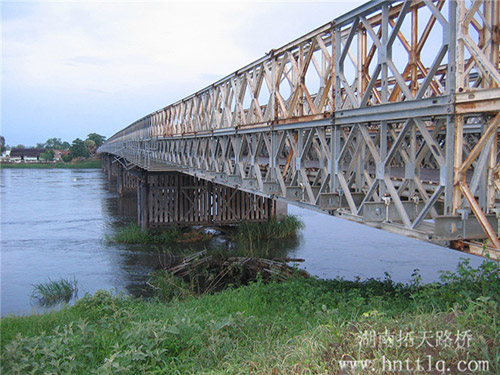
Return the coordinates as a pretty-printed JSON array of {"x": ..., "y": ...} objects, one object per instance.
[
  {"x": 303, "y": 325},
  {"x": 85, "y": 164}
]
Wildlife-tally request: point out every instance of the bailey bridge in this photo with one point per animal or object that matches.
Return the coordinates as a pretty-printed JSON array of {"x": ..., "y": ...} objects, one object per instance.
[{"x": 386, "y": 116}]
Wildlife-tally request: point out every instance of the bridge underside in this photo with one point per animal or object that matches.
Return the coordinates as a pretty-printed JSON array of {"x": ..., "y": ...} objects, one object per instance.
[
  {"x": 387, "y": 116},
  {"x": 171, "y": 198}
]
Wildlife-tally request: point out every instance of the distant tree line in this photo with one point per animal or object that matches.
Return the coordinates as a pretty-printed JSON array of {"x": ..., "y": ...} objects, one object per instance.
[
  {"x": 54, "y": 144},
  {"x": 78, "y": 148}
]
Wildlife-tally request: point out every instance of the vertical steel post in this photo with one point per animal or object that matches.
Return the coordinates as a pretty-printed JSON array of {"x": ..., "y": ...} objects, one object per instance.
[{"x": 451, "y": 200}]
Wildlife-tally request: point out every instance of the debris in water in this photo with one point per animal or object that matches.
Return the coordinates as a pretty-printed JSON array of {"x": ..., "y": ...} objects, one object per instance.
[{"x": 215, "y": 272}]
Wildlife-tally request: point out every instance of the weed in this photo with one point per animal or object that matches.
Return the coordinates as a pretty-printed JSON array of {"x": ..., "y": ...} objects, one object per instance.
[
  {"x": 168, "y": 287},
  {"x": 266, "y": 240},
  {"x": 273, "y": 229},
  {"x": 52, "y": 292}
]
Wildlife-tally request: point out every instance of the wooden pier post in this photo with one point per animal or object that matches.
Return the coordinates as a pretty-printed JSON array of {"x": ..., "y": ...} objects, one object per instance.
[
  {"x": 280, "y": 209},
  {"x": 119, "y": 179},
  {"x": 142, "y": 203}
]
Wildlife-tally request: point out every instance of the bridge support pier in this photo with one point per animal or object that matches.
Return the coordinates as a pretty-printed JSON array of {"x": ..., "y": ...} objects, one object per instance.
[
  {"x": 106, "y": 165},
  {"x": 173, "y": 198},
  {"x": 119, "y": 180},
  {"x": 109, "y": 166},
  {"x": 126, "y": 183},
  {"x": 142, "y": 204}
]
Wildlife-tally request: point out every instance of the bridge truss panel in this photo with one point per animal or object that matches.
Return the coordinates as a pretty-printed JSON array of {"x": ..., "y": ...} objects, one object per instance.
[{"x": 387, "y": 115}]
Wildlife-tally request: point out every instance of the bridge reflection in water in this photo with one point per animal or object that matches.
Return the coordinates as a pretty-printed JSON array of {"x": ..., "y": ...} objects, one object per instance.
[{"x": 387, "y": 116}]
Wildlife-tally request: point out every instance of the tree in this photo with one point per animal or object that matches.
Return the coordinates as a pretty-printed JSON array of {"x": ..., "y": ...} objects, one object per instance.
[
  {"x": 91, "y": 146},
  {"x": 54, "y": 143},
  {"x": 47, "y": 155},
  {"x": 20, "y": 146},
  {"x": 2, "y": 143},
  {"x": 78, "y": 149},
  {"x": 97, "y": 138}
]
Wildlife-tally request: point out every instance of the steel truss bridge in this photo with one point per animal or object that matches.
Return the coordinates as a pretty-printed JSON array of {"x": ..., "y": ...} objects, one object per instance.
[{"x": 387, "y": 116}]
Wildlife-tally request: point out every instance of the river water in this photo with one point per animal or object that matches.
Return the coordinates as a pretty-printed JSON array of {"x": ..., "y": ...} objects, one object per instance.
[{"x": 54, "y": 224}]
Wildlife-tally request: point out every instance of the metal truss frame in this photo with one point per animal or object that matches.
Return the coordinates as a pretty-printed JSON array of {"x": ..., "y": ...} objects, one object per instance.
[{"x": 388, "y": 115}]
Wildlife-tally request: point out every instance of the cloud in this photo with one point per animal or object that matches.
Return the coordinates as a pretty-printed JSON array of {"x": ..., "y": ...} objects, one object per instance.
[
  {"x": 117, "y": 46},
  {"x": 74, "y": 67}
]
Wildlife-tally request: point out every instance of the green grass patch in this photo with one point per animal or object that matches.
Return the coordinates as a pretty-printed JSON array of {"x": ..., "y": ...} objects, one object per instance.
[
  {"x": 301, "y": 326},
  {"x": 273, "y": 229},
  {"x": 266, "y": 239},
  {"x": 132, "y": 234},
  {"x": 86, "y": 164},
  {"x": 253, "y": 239},
  {"x": 55, "y": 291}
]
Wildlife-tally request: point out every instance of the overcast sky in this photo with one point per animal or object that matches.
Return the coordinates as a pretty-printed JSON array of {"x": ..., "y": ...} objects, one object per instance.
[{"x": 72, "y": 68}]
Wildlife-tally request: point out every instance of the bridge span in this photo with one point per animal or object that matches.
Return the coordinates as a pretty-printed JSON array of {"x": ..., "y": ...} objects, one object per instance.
[{"x": 387, "y": 116}]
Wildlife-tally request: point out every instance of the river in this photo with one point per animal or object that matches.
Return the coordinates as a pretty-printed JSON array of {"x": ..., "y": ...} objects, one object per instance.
[{"x": 54, "y": 224}]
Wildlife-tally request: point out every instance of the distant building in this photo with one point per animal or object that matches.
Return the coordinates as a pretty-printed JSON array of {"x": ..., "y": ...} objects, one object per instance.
[
  {"x": 26, "y": 154},
  {"x": 58, "y": 154},
  {"x": 5, "y": 155}
]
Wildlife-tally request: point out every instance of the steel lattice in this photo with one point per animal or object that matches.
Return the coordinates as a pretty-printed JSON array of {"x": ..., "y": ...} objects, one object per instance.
[{"x": 388, "y": 116}]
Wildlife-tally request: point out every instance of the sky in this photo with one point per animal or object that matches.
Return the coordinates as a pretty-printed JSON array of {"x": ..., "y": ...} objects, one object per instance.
[{"x": 70, "y": 68}]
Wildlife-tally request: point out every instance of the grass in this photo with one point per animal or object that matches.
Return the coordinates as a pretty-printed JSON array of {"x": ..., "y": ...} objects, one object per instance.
[
  {"x": 132, "y": 234},
  {"x": 247, "y": 234},
  {"x": 266, "y": 239},
  {"x": 53, "y": 292},
  {"x": 301, "y": 326},
  {"x": 87, "y": 164},
  {"x": 273, "y": 229}
]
